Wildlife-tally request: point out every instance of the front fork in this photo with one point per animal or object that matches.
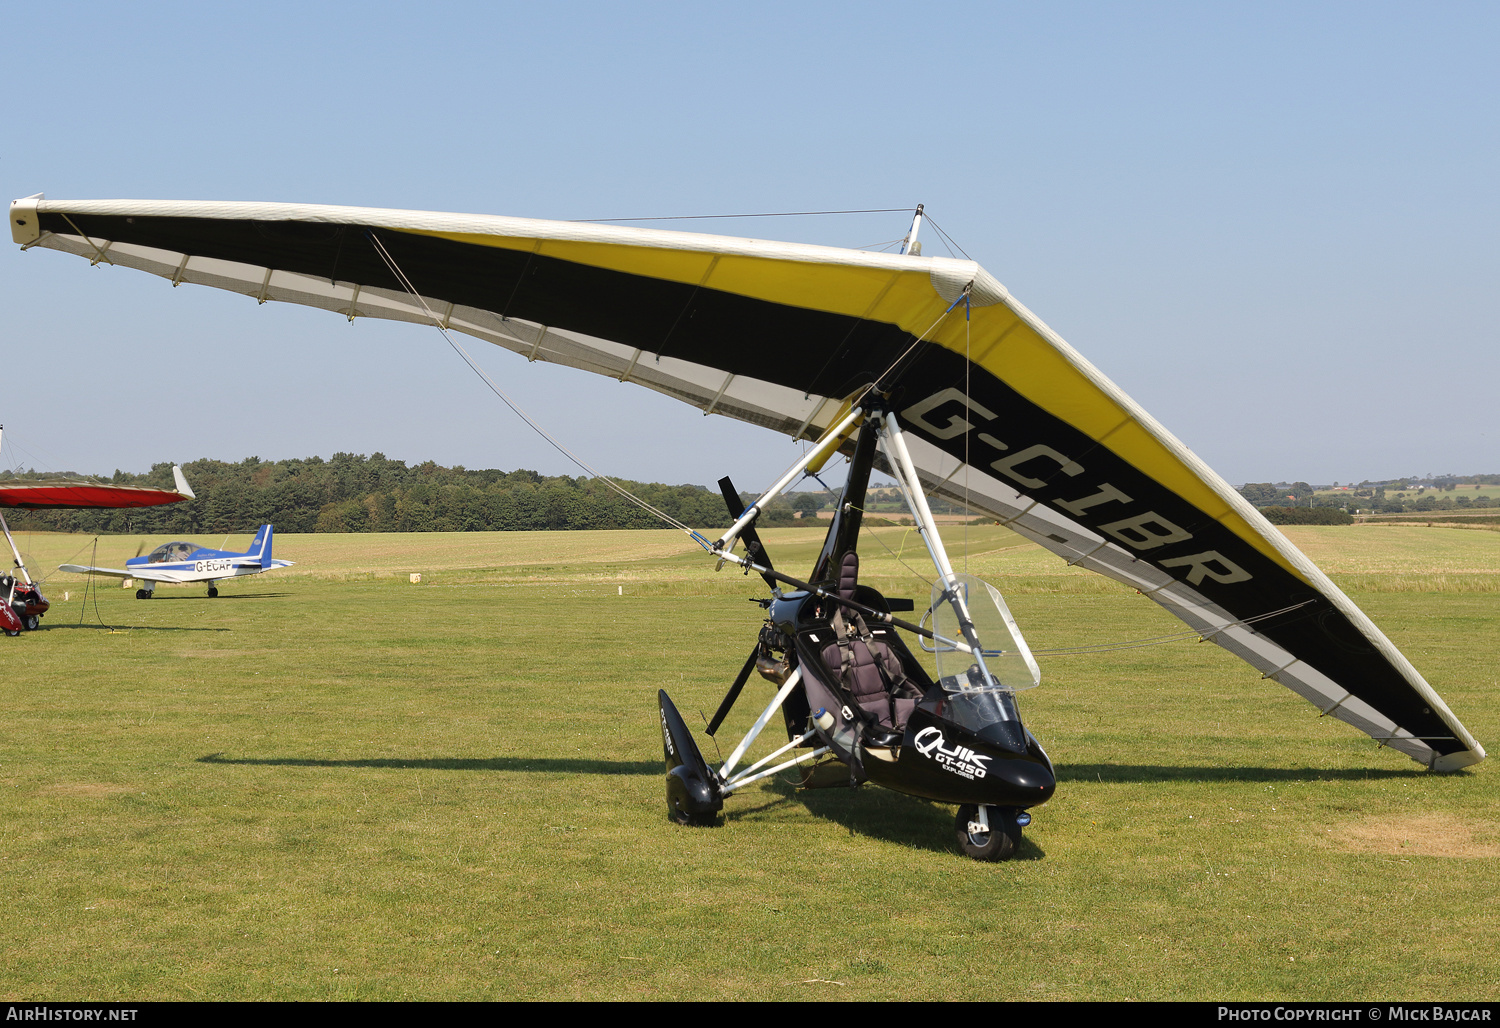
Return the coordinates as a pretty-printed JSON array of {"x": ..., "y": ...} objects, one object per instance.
[{"x": 981, "y": 823}]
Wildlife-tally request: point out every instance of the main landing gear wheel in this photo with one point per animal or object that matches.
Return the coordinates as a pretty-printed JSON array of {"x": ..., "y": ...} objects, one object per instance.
[
  {"x": 31, "y": 622},
  {"x": 999, "y": 843},
  {"x": 212, "y": 592},
  {"x": 142, "y": 594}
]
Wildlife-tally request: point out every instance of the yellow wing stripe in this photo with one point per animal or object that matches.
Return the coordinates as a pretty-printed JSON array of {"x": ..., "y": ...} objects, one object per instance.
[
  {"x": 1014, "y": 352},
  {"x": 995, "y": 338}
]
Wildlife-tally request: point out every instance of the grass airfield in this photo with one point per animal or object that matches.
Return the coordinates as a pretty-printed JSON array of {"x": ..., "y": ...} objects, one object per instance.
[{"x": 330, "y": 783}]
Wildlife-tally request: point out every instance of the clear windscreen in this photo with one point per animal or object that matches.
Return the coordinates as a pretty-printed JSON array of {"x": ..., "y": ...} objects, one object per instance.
[{"x": 973, "y": 610}]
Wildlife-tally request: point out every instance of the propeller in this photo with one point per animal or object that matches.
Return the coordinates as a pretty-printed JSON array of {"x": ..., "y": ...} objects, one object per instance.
[
  {"x": 756, "y": 551},
  {"x": 734, "y": 691},
  {"x": 754, "y": 548}
]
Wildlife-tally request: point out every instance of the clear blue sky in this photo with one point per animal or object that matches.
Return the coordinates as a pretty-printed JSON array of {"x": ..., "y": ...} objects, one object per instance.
[{"x": 1274, "y": 225}]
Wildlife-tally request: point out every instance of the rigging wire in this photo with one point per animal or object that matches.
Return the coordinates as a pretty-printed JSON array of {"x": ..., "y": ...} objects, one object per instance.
[
  {"x": 774, "y": 214},
  {"x": 968, "y": 371},
  {"x": 875, "y": 385},
  {"x": 858, "y": 398},
  {"x": 893, "y": 524},
  {"x": 626, "y": 494},
  {"x": 74, "y": 555},
  {"x": 91, "y": 586},
  {"x": 17, "y": 451},
  {"x": 459, "y": 349},
  {"x": 948, "y": 240},
  {"x": 697, "y": 537},
  {"x": 1203, "y": 636}
]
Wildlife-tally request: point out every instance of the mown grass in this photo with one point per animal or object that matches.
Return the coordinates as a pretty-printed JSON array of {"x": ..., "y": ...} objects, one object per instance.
[{"x": 332, "y": 784}]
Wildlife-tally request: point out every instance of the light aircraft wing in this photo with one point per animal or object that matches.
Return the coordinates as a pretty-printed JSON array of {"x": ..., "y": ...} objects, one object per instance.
[
  {"x": 65, "y": 493},
  {"x": 79, "y": 569},
  {"x": 1000, "y": 411}
]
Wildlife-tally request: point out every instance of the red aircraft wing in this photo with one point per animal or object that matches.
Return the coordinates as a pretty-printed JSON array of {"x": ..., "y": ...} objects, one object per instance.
[{"x": 35, "y": 495}]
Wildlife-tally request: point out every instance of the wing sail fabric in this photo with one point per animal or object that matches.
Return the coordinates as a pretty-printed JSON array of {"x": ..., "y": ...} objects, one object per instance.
[
  {"x": 1000, "y": 411},
  {"x": 36, "y": 495}
]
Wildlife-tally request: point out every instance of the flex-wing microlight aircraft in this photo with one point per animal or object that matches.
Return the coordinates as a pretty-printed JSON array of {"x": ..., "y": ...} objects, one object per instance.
[
  {"x": 931, "y": 355},
  {"x": 189, "y": 562},
  {"x": 23, "y": 603},
  {"x": 851, "y": 691}
]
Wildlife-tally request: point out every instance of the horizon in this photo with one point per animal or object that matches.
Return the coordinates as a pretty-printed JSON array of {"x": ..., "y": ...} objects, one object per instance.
[{"x": 876, "y": 482}]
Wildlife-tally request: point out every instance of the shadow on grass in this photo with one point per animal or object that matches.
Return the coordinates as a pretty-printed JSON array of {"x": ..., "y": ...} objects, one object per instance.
[
  {"x": 221, "y": 597},
  {"x": 1135, "y": 773},
  {"x": 882, "y": 814},
  {"x": 130, "y": 628},
  {"x": 544, "y": 765}
]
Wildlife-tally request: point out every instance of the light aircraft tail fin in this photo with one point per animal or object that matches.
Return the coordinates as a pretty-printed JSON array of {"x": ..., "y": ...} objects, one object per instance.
[
  {"x": 182, "y": 486},
  {"x": 260, "y": 547}
]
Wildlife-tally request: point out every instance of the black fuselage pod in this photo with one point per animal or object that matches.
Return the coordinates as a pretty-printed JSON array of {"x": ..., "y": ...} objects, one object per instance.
[
  {"x": 693, "y": 794},
  {"x": 954, "y": 748},
  {"x": 999, "y": 764}
]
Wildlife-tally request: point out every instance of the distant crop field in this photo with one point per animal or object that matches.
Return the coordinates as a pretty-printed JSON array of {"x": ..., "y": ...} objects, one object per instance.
[
  {"x": 331, "y": 783},
  {"x": 1460, "y": 489},
  {"x": 1386, "y": 558}
]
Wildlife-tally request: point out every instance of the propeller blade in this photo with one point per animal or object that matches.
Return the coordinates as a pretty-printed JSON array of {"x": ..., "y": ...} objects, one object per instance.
[
  {"x": 734, "y": 690},
  {"x": 754, "y": 548}
]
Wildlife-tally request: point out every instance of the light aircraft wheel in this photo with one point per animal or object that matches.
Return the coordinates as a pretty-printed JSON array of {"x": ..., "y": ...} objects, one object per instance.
[
  {"x": 212, "y": 592},
  {"x": 142, "y": 594},
  {"x": 32, "y": 623},
  {"x": 999, "y": 843}
]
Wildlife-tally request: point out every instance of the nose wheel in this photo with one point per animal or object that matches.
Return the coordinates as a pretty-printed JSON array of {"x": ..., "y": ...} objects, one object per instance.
[{"x": 995, "y": 840}]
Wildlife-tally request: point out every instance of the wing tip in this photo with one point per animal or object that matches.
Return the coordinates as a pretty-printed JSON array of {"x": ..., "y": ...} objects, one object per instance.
[
  {"x": 1461, "y": 759},
  {"x": 183, "y": 489}
]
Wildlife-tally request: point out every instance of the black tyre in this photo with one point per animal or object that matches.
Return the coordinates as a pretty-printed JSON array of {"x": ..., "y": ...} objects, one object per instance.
[
  {"x": 31, "y": 622},
  {"x": 142, "y": 594},
  {"x": 212, "y": 592},
  {"x": 999, "y": 843},
  {"x": 692, "y": 820}
]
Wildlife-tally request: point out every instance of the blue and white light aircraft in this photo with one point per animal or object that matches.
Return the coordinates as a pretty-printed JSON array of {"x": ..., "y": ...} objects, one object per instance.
[{"x": 189, "y": 562}]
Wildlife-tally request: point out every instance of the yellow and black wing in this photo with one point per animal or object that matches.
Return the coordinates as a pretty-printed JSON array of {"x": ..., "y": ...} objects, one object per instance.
[{"x": 1000, "y": 412}]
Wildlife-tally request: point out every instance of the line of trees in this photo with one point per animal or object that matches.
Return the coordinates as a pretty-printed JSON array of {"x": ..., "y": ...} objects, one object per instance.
[
  {"x": 1397, "y": 497},
  {"x": 354, "y": 493},
  {"x": 1307, "y": 516},
  {"x": 1264, "y": 494}
]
